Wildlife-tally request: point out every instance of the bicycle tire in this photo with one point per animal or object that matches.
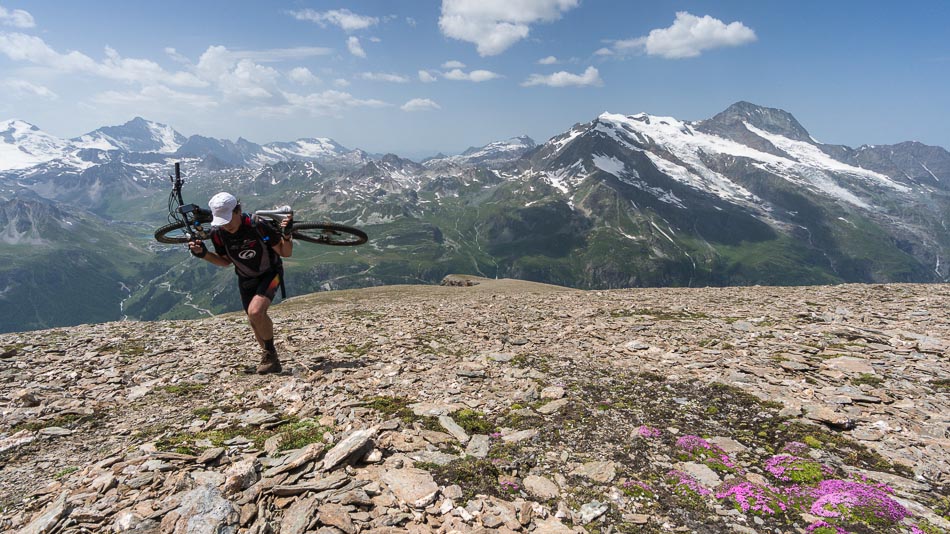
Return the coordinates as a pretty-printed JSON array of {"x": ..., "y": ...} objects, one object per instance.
[
  {"x": 164, "y": 234},
  {"x": 333, "y": 234}
]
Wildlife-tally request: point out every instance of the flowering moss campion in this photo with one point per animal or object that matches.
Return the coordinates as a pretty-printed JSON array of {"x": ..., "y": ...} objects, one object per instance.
[
  {"x": 648, "y": 432},
  {"x": 697, "y": 448},
  {"x": 795, "y": 469},
  {"x": 749, "y": 497},
  {"x": 857, "y": 501}
]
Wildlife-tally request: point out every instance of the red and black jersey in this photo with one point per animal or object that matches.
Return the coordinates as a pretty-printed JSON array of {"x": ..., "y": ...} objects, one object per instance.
[{"x": 250, "y": 248}]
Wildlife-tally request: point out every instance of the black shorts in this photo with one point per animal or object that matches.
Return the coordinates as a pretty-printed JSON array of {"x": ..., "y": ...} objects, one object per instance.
[{"x": 264, "y": 285}]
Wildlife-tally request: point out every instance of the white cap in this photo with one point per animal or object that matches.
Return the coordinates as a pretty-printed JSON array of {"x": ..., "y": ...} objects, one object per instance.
[{"x": 222, "y": 206}]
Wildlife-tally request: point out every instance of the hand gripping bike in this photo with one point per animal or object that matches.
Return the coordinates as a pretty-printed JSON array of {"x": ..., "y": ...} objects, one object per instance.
[{"x": 187, "y": 222}]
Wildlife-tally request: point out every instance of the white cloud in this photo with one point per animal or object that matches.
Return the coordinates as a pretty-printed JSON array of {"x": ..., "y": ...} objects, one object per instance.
[
  {"x": 353, "y": 44},
  {"x": 604, "y": 52},
  {"x": 420, "y": 104},
  {"x": 24, "y": 88},
  {"x": 550, "y": 60},
  {"x": 330, "y": 102},
  {"x": 340, "y": 82},
  {"x": 375, "y": 40},
  {"x": 474, "y": 76},
  {"x": 282, "y": 54},
  {"x": 411, "y": 22},
  {"x": 236, "y": 76},
  {"x": 426, "y": 77},
  {"x": 565, "y": 79},
  {"x": 689, "y": 36},
  {"x": 495, "y": 25},
  {"x": 453, "y": 64},
  {"x": 16, "y": 18},
  {"x": 155, "y": 95},
  {"x": 21, "y": 47},
  {"x": 178, "y": 58},
  {"x": 344, "y": 18},
  {"x": 384, "y": 77},
  {"x": 303, "y": 76}
]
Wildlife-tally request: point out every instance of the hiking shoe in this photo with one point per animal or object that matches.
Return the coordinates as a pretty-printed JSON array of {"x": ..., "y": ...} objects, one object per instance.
[{"x": 269, "y": 363}]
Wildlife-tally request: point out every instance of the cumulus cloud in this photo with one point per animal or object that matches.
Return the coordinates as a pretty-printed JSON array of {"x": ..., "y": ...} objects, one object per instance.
[
  {"x": 353, "y": 44},
  {"x": 384, "y": 77},
  {"x": 495, "y": 25},
  {"x": 474, "y": 76},
  {"x": 236, "y": 76},
  {"x": 22, "y": 47},
  {"x": 16, "y": 88},
  {"x": 157, "y": 96},
  {"x": 344, "y": 18},
  {"x": 303, "y": 76},
  {"x": 565, "y": 79},
  {"x": 689, "y": 36},
  {"x": 426, "y": 76},
  {"x": 453, "y": 64},
  {"x": 550, "y": 60},
  {"x": 420, "y": 104},
  {"x": 17, "y": 18},
  {"x": 340, "y": 82},
  {"x": 330, "y": 103}
]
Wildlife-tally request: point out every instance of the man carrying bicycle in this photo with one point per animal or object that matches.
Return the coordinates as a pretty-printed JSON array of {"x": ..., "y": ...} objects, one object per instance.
[{"x": 255, "y": 250}]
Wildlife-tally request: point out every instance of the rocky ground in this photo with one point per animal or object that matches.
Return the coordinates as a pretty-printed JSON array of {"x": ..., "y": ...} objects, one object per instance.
[{"x": 498, "y": 407}]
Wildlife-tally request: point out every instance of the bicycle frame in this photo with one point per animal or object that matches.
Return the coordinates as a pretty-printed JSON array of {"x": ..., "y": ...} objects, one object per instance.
[
  {"x": 278, "y": 216},
  {"x": 192, "y": 215}
]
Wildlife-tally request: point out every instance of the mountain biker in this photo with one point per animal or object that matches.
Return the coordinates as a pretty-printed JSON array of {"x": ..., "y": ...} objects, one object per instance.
[{"x": 255, "y": 250}]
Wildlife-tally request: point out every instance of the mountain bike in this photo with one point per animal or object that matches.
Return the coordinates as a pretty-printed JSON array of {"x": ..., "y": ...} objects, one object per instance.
[{"x": 187, "y": 222}]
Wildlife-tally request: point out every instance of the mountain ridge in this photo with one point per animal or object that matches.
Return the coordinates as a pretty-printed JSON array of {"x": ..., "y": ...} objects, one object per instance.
[{"x": 619, "y": 201}]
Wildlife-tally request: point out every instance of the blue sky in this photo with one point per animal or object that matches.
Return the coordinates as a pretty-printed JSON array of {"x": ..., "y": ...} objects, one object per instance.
[{"x": 416, "y": 77}]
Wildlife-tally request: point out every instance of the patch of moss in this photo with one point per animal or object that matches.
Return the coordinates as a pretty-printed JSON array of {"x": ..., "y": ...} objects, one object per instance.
[
  {"x": 473, "y": 422},
  {"x": 296, "y": 434},
  {"x": 867, "y": 379},
  {"x": 476, "y": 476},
  {"x": 393, "y": 407},
  {"x": 812, "y": 442},
  {"x": 64, "y": 472},
  {"x": 941, "y": 384},
  {"x": 182, "y": 390},
  {"x": 69, "y": 421}
]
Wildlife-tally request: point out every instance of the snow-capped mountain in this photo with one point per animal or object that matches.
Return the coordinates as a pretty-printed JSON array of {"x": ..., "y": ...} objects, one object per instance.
[
  {"x": 493, "y": 154},
  {"x": 747, "y": 196},
  {"x": 24, "y": 145},
  {"x": 137, "y": 135}
]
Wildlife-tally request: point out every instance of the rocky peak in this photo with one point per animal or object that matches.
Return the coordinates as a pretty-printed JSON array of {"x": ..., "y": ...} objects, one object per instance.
[{"x": 772, "y": 120}]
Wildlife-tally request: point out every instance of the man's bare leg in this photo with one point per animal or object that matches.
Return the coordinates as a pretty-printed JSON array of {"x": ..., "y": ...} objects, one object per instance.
[{"x": 263, "y": 329}]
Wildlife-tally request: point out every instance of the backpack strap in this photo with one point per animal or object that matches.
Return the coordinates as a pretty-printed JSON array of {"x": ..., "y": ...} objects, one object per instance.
[{"x": 279, "y": 265}]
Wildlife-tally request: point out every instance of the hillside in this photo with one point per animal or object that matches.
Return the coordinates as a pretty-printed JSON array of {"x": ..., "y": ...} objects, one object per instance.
[
  {"x": 506, "y": 406},
  {"x": 745, "y": 197}
]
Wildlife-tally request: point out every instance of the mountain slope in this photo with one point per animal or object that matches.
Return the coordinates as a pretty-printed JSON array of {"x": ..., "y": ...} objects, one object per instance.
[{"x": 745, "y": 197}]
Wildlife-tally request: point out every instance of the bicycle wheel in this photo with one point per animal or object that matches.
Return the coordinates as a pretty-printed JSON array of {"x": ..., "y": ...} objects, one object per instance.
[
  {"x": 329, "y": 234},
  {"x": 166, "y": 234}
]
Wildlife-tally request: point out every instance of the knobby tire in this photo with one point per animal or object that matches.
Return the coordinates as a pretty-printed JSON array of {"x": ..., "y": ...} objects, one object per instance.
[
  {"x": 333, "y": 234},
  {"x": 164, "y": 234}
]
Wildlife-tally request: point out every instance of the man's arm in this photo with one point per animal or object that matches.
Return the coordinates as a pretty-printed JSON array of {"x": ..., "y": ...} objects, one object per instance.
[
  {"x": 199, "y": 250},
  {"x": 285, "y": 246}
]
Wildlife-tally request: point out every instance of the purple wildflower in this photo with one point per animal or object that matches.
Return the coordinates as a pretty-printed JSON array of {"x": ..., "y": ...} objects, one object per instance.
[
  {"x": 648, "y": 432},
  {"x": 685, "y": 480},
  {"x": 795, "y": 448},
  {"x": 753, "y": 497},
  {"x": 856, "y": 500},
  {"x": 823, "y": 527},
  {"x": 691, "y": 443}
]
